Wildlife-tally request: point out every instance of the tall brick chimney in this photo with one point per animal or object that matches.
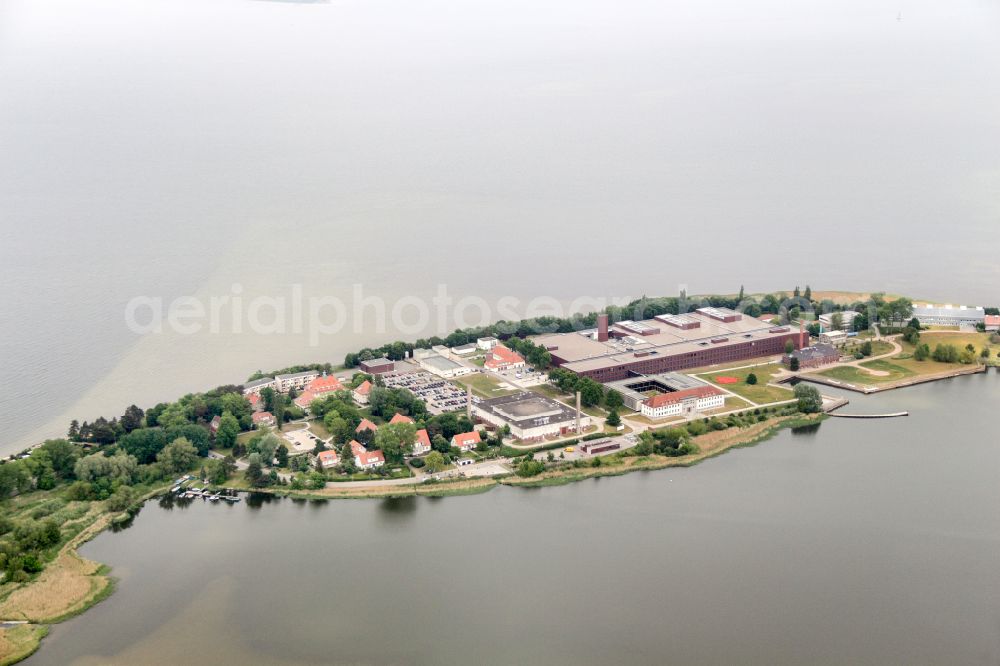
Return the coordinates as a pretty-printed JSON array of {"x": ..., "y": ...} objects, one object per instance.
[
  {"x": 468, "y": 403},
  {"x": 803, "y": 336},
  {"x": 602, "y": 327},
  {"x": 579, "y": 427}
]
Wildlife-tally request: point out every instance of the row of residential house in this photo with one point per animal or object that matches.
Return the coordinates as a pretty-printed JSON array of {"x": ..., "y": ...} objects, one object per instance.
[
  {"x": 313, "y": 386},
  {"x": 367, "y": 460},
  {"x": 363, "y": 458}
]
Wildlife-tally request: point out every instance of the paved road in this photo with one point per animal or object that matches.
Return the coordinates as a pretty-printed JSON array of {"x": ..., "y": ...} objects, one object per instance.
[{"x": 486, "y": 468}]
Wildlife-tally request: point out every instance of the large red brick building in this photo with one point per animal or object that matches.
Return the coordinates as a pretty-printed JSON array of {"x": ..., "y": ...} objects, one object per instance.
[{"x": 707, "y": 336}]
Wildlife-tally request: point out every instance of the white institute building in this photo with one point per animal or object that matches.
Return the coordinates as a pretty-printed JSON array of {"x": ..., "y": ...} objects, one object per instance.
[
  {"x": 530, "y": 416},
  {"x": 846, "y": 320},
  {"x": 948, "y": 315},
  {"x": 668, "y": 394}
]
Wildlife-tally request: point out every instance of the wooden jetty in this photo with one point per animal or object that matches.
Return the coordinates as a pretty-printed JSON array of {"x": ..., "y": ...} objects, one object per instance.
[{"x": 891, "y": 415}]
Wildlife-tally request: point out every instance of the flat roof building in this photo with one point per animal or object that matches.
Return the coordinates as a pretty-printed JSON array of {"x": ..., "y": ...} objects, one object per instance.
[
  {"x": 377, "y": 366},
  {"x": 668, "y": 394},
  {"x": 529, "y": 416},
  {"x": 705, "y": 337},
  {"x": 258, "y": 385},
  {"x": 443, "y": 367},
  {"x": 846, "y": 319},
  {"x": 948, "y": 315},
  {"x": 837, "y": 337},
  {"x": 487, "y": 343},
  {"x": 688, "y": 403},
  {"x": 636, "y": 390},
  {"x": 296, "y": 380}
]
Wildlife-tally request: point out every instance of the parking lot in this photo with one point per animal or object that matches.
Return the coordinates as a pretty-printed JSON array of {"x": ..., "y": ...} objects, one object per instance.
[
  {"x": 439, "y": 394},
  {"x": 302, "y": 441}
]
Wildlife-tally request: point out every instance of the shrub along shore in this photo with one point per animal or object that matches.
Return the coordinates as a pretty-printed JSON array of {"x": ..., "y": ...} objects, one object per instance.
[{"x": 70, "y": 584}]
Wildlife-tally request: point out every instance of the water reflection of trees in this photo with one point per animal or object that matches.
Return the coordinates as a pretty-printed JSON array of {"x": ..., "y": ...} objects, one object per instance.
[
  {"x": 397, "y": 509},
  {"x": 257, "y": 500}
]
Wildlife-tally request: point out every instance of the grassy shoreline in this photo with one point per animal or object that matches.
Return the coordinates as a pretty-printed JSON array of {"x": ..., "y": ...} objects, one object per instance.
[
  {"x": 68, "y": 586},
  {"x": 710, "y": 445},
  {"x": 56, "y": 601}
]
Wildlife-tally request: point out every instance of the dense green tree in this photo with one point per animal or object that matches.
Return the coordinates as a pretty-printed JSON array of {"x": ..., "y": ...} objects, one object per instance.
[
  {"x": 809, "y": 398},
  {"x": 122, "y": 498},
  {"x": 395, "y": 440},
  {"x": 435, "y": 462},
  {"x": 196, "y": 434},
  {"x": 591, "y": 393},
  {"x": 63, "y": 455},
  {"x": 102, "y": 431},
  {"x": 613, "y": 420},
  {"x": 144, "y": 443},
  {"x": 237, "y": 405},
  {"x": 229, "y": 429},
  {"x": 255, "y": 473},
  {"x": 174, "y": 416},
  {"x": 266, "y": 445},
  {"x": 944, "y": 353},
  {"x": 440, "y": 444},
  {"x": 132, "y": 419},
  {"x": 14, "y": 477},
  {"x": 121, "y": 467},
  {"x": 178, "y": 456},
  {"x": 529, "y": 467},
  {"x": 751, "y": 379}
]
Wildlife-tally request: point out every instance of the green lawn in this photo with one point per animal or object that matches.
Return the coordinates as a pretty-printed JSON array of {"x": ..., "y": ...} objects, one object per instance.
[
  {"x": 879, "y": 347},
  {"x": 759, "y": 393},
  {"x": 319, "y": 429},
  {"x": 732, "y": 402},
  {"x": 852, "y": 375},
  {"x": 960, "y": 340},
  {"x": 485, "y": 386},
  {"x": 245, "y": 437}
]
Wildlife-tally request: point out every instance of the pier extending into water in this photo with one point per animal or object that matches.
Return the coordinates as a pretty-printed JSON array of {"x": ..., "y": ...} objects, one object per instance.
[{"x": 871, "y": 416}]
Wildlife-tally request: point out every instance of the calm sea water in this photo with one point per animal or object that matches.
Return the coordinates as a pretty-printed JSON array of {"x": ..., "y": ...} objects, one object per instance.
[
  {"x": 596, "y": 148},
  {"x": 870, "y": 542}
]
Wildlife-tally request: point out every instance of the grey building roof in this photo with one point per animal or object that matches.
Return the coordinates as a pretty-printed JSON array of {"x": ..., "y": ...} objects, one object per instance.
[
  {"x": 440, "y": 363},
  {"x": 961, "y": 313},
  {"x": 527, "y": 410},
  {"x": 816, "y": 352},
  {"x": 263, "y": 381},
  {"x": 632, "y": 388},
  {"x": 296, "y": 375}
]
